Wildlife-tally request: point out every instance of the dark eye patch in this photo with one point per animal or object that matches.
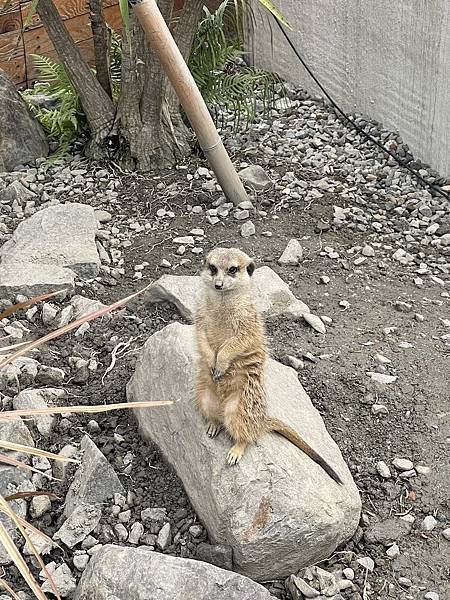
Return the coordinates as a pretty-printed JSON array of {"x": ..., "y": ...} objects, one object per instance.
[
  {"x": 212, "y": 269},
  {"x": 233, "y": 270}
]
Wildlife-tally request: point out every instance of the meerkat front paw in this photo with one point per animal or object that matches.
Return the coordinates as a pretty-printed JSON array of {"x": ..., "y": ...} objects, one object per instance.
[
  {"x": 220, "y": 368},
  {"x": 213, "y": 429}
]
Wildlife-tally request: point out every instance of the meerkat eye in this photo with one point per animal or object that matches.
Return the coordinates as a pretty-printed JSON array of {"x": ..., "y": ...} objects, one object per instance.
[
  {"x": 233, "y": 270},
  {"x": 212, "y": 269}
]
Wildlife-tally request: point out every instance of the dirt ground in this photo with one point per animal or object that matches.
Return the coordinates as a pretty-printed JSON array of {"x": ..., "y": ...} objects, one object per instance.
[{"x": 416, "y": 425}]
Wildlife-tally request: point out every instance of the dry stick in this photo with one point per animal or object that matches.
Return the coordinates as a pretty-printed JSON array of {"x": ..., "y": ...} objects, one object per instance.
[{"x": 176, "y": 69}]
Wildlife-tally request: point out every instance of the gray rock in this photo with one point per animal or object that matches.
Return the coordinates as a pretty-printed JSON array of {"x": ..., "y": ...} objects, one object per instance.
[
  {"x": 273, "y": 532},
  {"x": 383, "y": 469},
  {"x": 83, "y": 306},
  {"x": 367, "y": 563},
  {"x": 22, "y": 139},
  {"x": 382, "y": 378},
  {"x": 79, "y": 524},
  {"x": 16, "y": 192},
  {"x": 60, "y": 468},
  {"x": 33, "y": 279},
  {"x": 272, "y": 295},
  {"x": 315, "y": 322},
  {"x": 387, "y": 532},
  {"x": 137, "y": 531},
  {"x": 95, "y": 480},
  {"x": 393, "y": 551},
  {"x": 432, "y": 596},
  {"x": 164, "y": 537},
  {"x": 63, "y": 579},
  {"x": 446, "y": 533},
  {"x": 80, "y": 561},
  {"x": 39, "y": 506},
  {"x": 247, "y": 229},
  {"x": 50, "y": 375},
  {"x": 57, "y": 237},
  {"x": 298, "y": 585},
  {"x": 403, "y": 464},
  {"x": 255, "y": 177},
  {"x": 147, "y": 574},
  {"x": 429, "y": 523},
  {"x": 39, "y": 398},
  {"x": 216, "y": 554},
  {"x": 292, "y": 255}
]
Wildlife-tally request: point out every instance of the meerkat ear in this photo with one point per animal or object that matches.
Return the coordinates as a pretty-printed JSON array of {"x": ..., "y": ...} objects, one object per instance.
[{"x": 250, "y": 268}]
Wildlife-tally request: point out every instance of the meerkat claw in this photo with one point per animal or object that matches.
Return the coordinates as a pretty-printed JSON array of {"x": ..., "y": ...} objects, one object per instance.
[
  {"x": 213, "y": 430},
  {"x": 235, "y": 454},
  {"x": 216, "y": 375}
]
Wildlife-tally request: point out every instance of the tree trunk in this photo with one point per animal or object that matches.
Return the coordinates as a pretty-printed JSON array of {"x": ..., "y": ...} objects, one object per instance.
[
  {"x": 155, "y": 136},
  {"x": 98, "y": 107},
  {"x": 101, "y": 39}
]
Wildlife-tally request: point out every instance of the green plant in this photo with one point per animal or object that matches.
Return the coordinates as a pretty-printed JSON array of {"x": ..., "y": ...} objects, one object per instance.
[{"x": 218, "y": 69}]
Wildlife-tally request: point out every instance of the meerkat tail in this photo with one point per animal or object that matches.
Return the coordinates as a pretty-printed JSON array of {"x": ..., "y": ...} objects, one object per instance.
[{"x": 291, "y": 435}]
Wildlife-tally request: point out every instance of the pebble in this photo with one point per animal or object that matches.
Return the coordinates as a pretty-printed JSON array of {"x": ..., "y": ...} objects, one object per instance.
[
  {"x": 137, "y": 531},
  {"x": 292, "y": 254},
  {"x": 367, "y": 563},
  {"x": 165, "y": 264},
  {"x": 431, "y": 596},
  {"x": 349, "y": 573},
  {"x": 121, "y": 532},
  {"x": 383, "y": 469},
  {"x": 80, "y": 561},
  {"x": 368, "y": 251},
  {"x": 164, "y": 537},
  {"x": 405, "y": 582},
  {"x": 247, "y": 229},
  {"x": 423, "y": 470},
  {"x": 446, "y": 534},
  {"x": 379, "y": 409},
  {"x": 393, "y": 551},
  {"x": 429, "y": 523},
  {"x": 324, "y": 279},
  {"x": 403, "y": 464},
  {"x": 403, "y": 306},
  {"x": 382, "y": 378}
]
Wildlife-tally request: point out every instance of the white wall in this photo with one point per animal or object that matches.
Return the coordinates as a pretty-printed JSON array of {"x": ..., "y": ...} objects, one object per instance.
[{"x": 386, "y": 59}]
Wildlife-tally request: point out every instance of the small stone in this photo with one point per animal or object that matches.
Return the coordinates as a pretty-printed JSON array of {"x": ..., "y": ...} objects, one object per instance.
[
  {"x": 164, "y": 537},
  {"x": 64, "y": 581},
  {"x": 80, "y": 561},
  {"x": 137, "y": 531},
  {"x": 446, "y": 534},
  {"x": 295, "y": 363},
  {"x": 367, "y": 563},
  {"x": 368, "y": 251},
  {"x": 315, "y": 322},
  {"x": 393, "y": 551},
  {"x": 383, "y": 469},
  {"x": 419, "y": 318},
  {"x": 247, "y": 229},
  {"x": 431, "y": 596},
  {"x": 241, "y": 215},
  {"x": 187, "y": 240},
  {"x": 423, "y": 470},
  {"x": 429, "y": 523},
  {"x": 49, "y": 313},
  {"x": 121, "y": 532},
  {"x": 324, "y": 279},
  {"x": 403, "y": 464},
  {"x": 255, "y": 177},
  {"x": 383, "y": 360},
  {"x": 50, "y": 375},
  {"x": 296, "y": 585},
  {"x": 165, "y": 264},
  {"x": 292, "y": 254},
  {"x": 403, "y": 306},
  {"x": 93, "y": 426},
  {"x": 40, "y": 505},
  {"x": 359, "y": 261},
  {"x": 379, "y": 409},
  {"x": 382, "y": 378},
  {"x": 125, "y": 516},
  {"x": 405, "y": 582},
  {"x": 349, "y": 573}
]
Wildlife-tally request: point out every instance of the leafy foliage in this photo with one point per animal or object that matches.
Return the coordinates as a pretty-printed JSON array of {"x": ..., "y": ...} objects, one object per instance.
[
  {"x": 65, "y": 120},
  {"x": 218, "y": 69}
]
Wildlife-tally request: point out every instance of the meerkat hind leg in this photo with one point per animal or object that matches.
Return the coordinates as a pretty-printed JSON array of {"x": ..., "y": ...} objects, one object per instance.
[
  {"x": 213, "y": 429},
  {"x": 236, "y": 453}
]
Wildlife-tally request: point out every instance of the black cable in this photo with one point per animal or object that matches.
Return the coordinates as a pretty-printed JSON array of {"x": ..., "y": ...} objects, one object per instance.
[{"x": 353, "y": 124}]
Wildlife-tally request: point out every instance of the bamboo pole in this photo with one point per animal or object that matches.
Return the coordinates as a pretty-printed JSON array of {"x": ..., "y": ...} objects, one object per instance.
[{"x": 165, "y": 48}]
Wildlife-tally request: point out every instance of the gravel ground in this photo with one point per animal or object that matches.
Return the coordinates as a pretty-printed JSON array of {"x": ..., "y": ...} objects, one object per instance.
[{"x": 376, "y": 264}]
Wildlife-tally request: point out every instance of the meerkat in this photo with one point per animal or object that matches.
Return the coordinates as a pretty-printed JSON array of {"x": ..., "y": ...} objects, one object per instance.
[{"x": 232, "y": 349}]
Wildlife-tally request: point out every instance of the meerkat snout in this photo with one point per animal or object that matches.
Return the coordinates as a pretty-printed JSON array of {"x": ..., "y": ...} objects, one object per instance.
[{"x": 227, "y": 269}]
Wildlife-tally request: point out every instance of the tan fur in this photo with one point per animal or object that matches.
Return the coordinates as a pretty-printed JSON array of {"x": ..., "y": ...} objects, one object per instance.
[{"x": 232, "y": 351}]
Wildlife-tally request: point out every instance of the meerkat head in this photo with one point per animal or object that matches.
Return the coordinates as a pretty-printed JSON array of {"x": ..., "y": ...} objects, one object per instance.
[{"x": 227, "y": 269}]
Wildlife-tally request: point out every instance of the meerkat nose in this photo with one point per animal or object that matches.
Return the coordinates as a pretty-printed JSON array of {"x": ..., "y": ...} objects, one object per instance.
[{"x": 218, "y": 285}]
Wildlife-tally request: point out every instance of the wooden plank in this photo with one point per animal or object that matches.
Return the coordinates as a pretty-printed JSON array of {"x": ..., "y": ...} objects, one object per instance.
[
  {"x": 68, "y": 9},
  {"x": 11, "y": 46},
  {"x": 10, "y": 21},
  {"x": 15, "y": 69},
  {"x": 38, "y": 42}
]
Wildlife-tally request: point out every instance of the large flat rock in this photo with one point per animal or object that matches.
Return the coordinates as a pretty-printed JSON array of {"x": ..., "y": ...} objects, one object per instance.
[
  {"x": 149, "y": 575},
  {"x": 48, "y": 249},
  {"x": 272, "y": 295},
  {"x": 277, "y": 509},
  {"x": 22, "y": 139}
]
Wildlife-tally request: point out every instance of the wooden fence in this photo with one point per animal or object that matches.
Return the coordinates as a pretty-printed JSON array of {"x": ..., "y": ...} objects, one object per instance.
[{"x": 17, "y": 44}]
